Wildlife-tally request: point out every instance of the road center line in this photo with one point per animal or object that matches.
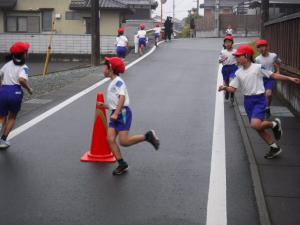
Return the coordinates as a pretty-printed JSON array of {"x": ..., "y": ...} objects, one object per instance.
[
  {"x": 216, "y": 204},
  {"x": 70, "y": 100}
]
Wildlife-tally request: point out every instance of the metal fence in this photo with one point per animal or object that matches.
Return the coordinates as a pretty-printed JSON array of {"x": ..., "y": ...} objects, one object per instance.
[{"x": 284, "y": 37}]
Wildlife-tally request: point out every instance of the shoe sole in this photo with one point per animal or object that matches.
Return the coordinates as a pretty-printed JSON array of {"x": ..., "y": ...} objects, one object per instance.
[
  {"x": 124, "y": 171},
  {"x": 156, "y": 139},
  {"x": 280, "y": 128},
  {"x": 275, "y": 155}
]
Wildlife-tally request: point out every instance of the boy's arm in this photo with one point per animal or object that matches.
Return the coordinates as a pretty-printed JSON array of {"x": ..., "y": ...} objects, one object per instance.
[
  {"x": 227, "y": 88},
  {"x": 278, "y": 76},
  {"x": 24, "y": 84},
  {"x": 120, "y": 105}
]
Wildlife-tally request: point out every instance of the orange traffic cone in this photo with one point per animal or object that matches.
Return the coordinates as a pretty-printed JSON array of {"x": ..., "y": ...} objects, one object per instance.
[{"x": 100, "y": 151}]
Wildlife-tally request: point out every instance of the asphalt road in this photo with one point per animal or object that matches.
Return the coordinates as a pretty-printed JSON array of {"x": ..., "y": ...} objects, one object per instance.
[{"x": 172, "y": 91}]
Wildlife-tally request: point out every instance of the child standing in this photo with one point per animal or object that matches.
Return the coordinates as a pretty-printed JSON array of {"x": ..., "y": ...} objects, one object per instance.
[
  {"x": 121, "y": 116},
  {"x": 271, "y": 62},
  {"x": 157, "y": 31},
  {"x": 249, "y": 78},
  {"x": 14, "y": 76},
  {"x": 142, "y": 36},
  {"x": 229, "y": 64},
  {"x": 121, "y": 43}
]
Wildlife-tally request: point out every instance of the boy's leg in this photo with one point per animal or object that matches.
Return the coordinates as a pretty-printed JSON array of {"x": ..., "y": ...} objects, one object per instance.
[
  {"x": 126, "y": 140},
  {"x": 260, "y": 127},
  {"x": 111, "y": 138},
  {"x": 6, "y": 130},
  {"x": 269, "y": 95}
]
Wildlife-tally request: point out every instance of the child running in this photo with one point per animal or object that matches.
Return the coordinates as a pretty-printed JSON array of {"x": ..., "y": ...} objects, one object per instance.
[
  {"x": 157, "y": 31},
  {"x": 229, "y": 64},
  {"x": 121, "y": 43},
  {"x": 271, "y": 62},
  {"x": 14, "y": 76},
  {"x": 142, "y": 37},
  {"x": 121, "y": 116},
  {"x": 249, "y": 78}
]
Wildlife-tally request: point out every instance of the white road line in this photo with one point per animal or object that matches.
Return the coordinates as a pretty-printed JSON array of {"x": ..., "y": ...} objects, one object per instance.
[
  {"x": 70, "y": 100},
  {"x": 216, "y": 205}
]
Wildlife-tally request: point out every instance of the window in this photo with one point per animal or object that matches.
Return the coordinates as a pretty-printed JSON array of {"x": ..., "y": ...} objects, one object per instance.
[
  {"x": 23, "y": 24},
  {"x": 88, "y": 25},
  {"x": 11, "y": 24},
  {"x": 70, "y": 15},
  {"x": 47, "y": 20}
]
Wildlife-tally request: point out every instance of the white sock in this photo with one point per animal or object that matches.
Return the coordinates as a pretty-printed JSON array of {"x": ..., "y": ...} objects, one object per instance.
[
  {"x": 274, "y": 124},
  {"x": 274, "y": 145}
]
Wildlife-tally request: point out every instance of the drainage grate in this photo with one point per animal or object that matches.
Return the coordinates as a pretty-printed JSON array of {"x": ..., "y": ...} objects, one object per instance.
[{"x": 38, "y": 101}]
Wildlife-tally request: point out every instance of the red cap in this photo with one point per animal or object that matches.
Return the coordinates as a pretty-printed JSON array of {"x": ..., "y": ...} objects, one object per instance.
[
  {"x": 244, "y": 50},
  {"x": 230, "y": 38},
  {"x": 116, "y": 64},
  {"x": 261, "y": 42},
  {"x": 19, "y": 48},
  {"x": 142, "y": 26},
  {"x": 121, "y": 30}
]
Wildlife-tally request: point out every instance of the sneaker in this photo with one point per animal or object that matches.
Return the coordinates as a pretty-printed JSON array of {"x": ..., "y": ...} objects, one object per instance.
[
  {"x": 4, "y": 144},
  {"x": 152, "y": 138},
  {"x": 277, "y": 130},
  {"x": 273, "y": 153},
  {"x": 120, "y": 169},
  {"x": 268, "y": 112}
]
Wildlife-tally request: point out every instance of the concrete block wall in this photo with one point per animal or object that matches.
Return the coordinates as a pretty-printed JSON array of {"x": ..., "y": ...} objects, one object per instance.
[{"x": 61, "y": 44}]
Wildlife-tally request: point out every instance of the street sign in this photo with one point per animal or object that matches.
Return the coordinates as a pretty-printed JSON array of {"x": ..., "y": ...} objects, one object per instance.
[{"x": 163, "y": 1}]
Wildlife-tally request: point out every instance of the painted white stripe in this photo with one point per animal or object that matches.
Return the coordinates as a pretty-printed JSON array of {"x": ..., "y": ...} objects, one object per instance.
[
  {"x": 216, "y": 205},
  {"x": 70, "y": 100}
]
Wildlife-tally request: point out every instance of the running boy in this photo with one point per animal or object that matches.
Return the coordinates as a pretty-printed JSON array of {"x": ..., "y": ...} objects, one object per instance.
[
  {"x": 120, "y": 119},
  {"x": 157, "y": 31},
  {"x": 121, "y": 43},
  {"x": 229, "y": 64},
  {"x": 14, "y": 76},
  {"x": 142, "y": 37},
  {"x": 271, "y": 62},
  {"x": 249, "y": 77}
]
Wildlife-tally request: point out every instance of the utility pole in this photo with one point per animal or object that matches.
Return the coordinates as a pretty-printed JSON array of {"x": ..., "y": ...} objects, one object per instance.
[
  {"x": 173, "y": 9},
  {"x": 264, "y": 15},
  {"x": 95, "y": 57},
  {"x": 217, "y": 18},
  {"x": 198, "y": 6}
]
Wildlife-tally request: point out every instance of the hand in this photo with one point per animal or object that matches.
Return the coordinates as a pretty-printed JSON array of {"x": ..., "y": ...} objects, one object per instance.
[
  {"x": 30, "y": 91},
  {"x": 114, "y": 117},
  {"x": 101, "y": 105},
  {"x": 295, "y": 80},
  {"x": 221, "y": 88}
]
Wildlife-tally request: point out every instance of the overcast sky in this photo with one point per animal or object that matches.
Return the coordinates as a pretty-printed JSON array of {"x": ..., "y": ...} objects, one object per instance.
[{"x": 181, "y": 8}]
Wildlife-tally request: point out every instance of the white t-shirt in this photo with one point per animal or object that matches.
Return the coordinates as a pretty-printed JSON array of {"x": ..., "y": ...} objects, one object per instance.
[
  {"x": 268, "y": 61},
  {"x": 121, "y": 41},
  {"x": 116, "y": 88},
  {"x": 251, "y": 80},
  {"x": 157, "y": 30},
  {"x": 228, "y": 56},
  {"x": 11, "y": 73},
  {"x": 142, "y": 34},
  {"x": 229, "y": 31}
]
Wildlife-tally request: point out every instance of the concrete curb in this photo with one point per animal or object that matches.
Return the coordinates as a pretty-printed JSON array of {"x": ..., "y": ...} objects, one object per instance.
[{"x": 263, "y": 211}]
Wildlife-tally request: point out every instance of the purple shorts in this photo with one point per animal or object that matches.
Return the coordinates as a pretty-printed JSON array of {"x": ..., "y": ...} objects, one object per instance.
[
  {"x": 10, "y": 99},
  {"x": 255, "y": 106},
  {"x": 156, "y": 35},
  {"x": 121, "y": 52},
  {"x": 268, "y": 83},
  {"x": 123, "y": 122},
  {"x": 142, "y": 41},
  {"x": 228, "y": 71}
]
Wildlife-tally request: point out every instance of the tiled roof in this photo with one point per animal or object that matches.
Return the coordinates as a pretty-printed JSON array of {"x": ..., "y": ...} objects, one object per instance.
[
  {"x": 7, "y": 4},
  {"x": 110, "y": 4}
]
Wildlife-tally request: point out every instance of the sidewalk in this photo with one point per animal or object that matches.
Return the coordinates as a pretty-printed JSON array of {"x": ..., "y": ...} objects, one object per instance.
[{"x": 277, "y": 181}]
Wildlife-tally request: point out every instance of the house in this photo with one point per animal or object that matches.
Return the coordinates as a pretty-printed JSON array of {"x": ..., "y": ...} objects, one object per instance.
[
  {"x": 226, "y": 7},
  {"x": 32, "y": 20},
  {"x": 278, "y": 8}
]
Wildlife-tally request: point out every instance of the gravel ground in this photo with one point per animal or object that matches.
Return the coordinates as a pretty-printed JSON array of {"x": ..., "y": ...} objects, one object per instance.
[{"x": 54, "y": 81}]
